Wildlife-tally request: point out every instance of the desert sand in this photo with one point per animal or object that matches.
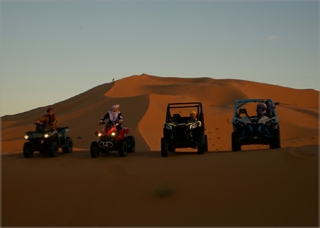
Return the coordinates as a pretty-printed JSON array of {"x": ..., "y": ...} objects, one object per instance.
[{"x": 254, "y": 187}]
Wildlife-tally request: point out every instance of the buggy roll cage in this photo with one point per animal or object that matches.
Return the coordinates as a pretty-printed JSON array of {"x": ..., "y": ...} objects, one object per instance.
[
  {"x": 197, "y": 105},
  {"x": 240, "y": 103}
]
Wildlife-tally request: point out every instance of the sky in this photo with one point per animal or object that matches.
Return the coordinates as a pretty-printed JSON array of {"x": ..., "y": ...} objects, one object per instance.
[{"x": 52, "y": 50}]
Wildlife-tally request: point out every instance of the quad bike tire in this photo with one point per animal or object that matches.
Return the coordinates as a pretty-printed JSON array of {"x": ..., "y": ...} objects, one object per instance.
[
  {"x": 94, "y": 149},
  {"x": 201, "y": 144},
  {"x": 53, "y": 149},
  {"x": 131, "y": 144},
  {"x": 122, "y": 148},
  {"x": 275, "y": 141},
  {"x": 236, "y": 146},
  {"x": 27, "y": 150},
  {"x": 164, "y": 147},
  {"x": 69, "y": 146}
]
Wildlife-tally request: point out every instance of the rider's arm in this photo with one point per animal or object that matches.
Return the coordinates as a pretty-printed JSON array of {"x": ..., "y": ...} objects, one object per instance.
[
  {"x": 120, "y": 118},
  {"x": 106, "y": 116},
  {"x": 43, "y": 119}
]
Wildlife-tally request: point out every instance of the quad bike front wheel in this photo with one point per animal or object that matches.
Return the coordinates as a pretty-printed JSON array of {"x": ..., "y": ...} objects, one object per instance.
[
  {"x": 122, "y": 149},
  {"x": 69, "y": 146},
  {"x": 94, "y": 149},
  {"x": 53, "y": 149},
  {"x": 27, "y": 150},
  {"x": 131, "y": 143}
]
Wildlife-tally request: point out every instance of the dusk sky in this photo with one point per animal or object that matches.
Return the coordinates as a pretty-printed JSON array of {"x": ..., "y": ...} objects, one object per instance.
[{"x": 54, "y": 50}]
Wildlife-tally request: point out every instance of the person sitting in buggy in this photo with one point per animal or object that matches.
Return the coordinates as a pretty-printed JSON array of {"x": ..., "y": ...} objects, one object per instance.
[{"x": 262, "y": 110}]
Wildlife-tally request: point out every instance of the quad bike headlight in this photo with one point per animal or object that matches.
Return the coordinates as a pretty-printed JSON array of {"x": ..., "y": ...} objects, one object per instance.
[
  {"x": 99, "y": 134},
  {"x": 46, "y": 135},
  {"x": 113, "y": 133},
  {"x": 26, "y": 136}
]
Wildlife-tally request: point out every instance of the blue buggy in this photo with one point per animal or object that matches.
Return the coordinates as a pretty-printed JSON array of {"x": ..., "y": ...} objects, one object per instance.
[{"x": 255, "y": 121}]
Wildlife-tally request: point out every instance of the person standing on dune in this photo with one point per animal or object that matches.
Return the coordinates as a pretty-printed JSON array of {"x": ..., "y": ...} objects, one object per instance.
[
  {"x": 113, "y": 116},
  {"x": 49, "y": 119}
]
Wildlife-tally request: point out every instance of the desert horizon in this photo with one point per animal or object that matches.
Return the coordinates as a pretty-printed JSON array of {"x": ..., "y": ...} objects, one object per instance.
[{"x": 257, "y": 186}]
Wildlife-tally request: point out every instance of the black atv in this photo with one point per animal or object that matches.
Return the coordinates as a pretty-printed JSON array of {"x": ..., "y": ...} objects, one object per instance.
[
  {"x": 178, "y": 132},
  {"x": 47, "y": 141},
  {"x": 251, "y": 129}
]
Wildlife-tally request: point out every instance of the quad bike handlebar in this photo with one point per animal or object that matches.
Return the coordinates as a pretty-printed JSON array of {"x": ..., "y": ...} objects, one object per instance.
[{"x": 113, "y": 123}]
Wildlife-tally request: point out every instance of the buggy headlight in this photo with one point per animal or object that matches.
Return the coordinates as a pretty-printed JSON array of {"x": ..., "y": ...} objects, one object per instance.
[
  {"x": 270, "y": 121},
  {"x": 46, "y": 135},
  {"x": 239, "y": 122},
  {"x": 168, "y": 127},
  {"x": 193, "y": 126},
  {"x": 26, "y": 136}
]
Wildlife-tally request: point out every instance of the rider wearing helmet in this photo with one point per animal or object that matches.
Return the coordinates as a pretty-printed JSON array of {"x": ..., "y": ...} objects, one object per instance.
[
  {"x": 113, "y": 116},
  {"x": 261, "y": 110},
  {"x": 49, "y": 119}
]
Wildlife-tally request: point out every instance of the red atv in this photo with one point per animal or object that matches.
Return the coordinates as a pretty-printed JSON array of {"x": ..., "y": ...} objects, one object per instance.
[{"x": 110, "y": 139}]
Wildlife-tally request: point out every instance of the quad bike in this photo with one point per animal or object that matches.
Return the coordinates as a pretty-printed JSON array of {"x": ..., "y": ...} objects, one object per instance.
[
  {"x": 112, "y": 139},
  {"x": 47, "y": 141}
]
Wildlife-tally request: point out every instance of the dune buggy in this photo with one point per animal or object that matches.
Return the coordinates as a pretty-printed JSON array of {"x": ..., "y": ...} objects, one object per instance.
[
  {"x": 47, "y": 141},
  {"x": 248, "y": 128},
  {"x": 178, "y": 132}
]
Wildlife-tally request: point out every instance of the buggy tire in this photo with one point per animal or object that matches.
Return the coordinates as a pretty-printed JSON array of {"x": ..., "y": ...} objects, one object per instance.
[
  {"x": 53, "y": 149},
  {"x": 172, "y": 148},
  {"x": 131, "y": 144},
  {"x": 236, "y": 145},
  {"x": 275, "y": 141},
  {"x": 27, "y": 150},
  {"x": 122, "y": 148},
  {"x": 205, "y": 143},
  {"x": 69, "y": 146},
  {"x": 94, "y": 149},
  {"x": 164, "y": 147},
  {"x": 201, "y": 144}
]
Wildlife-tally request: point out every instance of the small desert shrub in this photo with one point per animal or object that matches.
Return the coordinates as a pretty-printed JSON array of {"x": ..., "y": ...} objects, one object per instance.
[{"x": 164, "y": 190}]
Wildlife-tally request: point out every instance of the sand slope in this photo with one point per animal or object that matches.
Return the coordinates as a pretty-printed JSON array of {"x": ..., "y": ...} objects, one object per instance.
[{"x": 143, "y": 100}]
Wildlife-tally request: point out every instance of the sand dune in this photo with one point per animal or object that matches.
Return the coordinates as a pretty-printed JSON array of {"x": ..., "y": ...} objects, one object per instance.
[
  {"x": 143, "y": 99},
  {"x": 254, "y": 187}
]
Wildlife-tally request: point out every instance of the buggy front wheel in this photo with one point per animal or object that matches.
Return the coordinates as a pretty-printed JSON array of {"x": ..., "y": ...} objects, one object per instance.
[
  {"x": 164, "y": 147},
  {"x": 201, "y": 144}
]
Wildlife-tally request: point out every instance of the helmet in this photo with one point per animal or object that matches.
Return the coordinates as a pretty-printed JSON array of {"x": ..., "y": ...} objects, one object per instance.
[
  {"x": 261, "y": 108},
  {"x": 49, "y": 109}
]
